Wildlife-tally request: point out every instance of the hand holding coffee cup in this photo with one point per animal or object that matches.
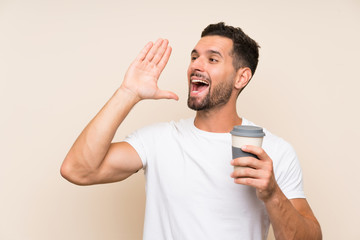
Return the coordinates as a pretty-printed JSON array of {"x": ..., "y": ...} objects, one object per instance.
[{"x": 245, "y": 135}]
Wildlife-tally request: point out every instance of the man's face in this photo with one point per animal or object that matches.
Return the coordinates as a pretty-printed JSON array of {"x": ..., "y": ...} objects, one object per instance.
[{"x": 211, "y": 73}]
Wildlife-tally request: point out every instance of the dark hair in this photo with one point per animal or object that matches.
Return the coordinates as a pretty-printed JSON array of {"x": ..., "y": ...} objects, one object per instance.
[{"x": 245, "y": 50}]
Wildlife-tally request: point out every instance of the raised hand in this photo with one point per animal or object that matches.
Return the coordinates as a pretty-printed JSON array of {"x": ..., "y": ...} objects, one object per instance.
[{"x": 142, "y": 76}]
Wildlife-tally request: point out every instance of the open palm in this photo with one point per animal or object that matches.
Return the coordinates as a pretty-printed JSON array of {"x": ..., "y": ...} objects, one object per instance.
[{"x": 142, "y": 76}]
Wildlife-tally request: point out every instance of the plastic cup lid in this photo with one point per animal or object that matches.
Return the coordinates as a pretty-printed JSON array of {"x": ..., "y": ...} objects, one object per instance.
[{"x": 247, "y": 131}]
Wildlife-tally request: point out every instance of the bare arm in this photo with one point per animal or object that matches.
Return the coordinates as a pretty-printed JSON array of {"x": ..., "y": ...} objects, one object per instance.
[
  {"x": 93, "y": 158},
  {"x": 291, "y": 219}
]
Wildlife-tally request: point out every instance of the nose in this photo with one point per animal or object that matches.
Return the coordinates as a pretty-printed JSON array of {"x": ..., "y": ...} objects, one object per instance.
[{"x": 197, "y": 64}]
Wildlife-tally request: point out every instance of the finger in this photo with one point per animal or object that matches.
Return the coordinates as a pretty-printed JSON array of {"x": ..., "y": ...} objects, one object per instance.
[
  {"x": 160, "y": 52},
  {"x": 154, "y": 49},
  {"x": 256, "y": 183},
  {"x": 246, "y": 162},
  {"x": 165, "y": 58},
  {"x": 144, "y": 52},
  {"x": 246, "y": 172},
  {"x": 263, "y": 187},
  {"x": 258, "y": 151},
  {"x": 161, "y": 94}
]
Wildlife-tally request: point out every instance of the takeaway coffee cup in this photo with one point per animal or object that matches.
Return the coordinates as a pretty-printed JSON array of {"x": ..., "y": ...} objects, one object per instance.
[{"x": 245, "y": 135}]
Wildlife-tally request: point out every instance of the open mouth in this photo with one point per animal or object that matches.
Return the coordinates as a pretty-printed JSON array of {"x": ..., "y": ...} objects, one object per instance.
[{"x": 198, "y": 84}]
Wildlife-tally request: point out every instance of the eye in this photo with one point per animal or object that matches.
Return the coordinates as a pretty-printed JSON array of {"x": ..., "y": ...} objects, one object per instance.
[
  {"x": 213, "y": 60},
  {"x": 193, "y": 58}
]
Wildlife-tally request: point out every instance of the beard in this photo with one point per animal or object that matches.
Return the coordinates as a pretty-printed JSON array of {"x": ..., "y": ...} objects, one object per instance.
[{"x": 218, "y": 97}]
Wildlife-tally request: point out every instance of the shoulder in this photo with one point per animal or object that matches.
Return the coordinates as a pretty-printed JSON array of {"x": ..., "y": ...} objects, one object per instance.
[
  {"x": 165, "y": 128},
  {"x": 149, "y": 141}
]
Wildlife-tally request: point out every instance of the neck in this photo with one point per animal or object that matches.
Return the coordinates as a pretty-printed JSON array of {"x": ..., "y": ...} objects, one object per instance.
[{"x": 220, "y": 119}]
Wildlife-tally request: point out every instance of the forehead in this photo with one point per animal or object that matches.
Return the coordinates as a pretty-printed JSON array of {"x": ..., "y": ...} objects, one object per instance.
[{"x": 220, "y": 44}]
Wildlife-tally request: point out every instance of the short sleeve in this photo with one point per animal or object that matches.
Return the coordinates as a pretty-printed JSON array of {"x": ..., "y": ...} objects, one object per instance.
[
  {"x": 288, "y": 173},
  {"x": 148, "y": 140},
  {"x": 136, "y": 142}
]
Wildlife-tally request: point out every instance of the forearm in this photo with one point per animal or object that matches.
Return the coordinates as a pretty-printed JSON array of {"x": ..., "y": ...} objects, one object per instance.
[
  {"x": 89, "y": 160},
  {"x": 288, "y": 222},
  {"x": 90, "y": 148}
]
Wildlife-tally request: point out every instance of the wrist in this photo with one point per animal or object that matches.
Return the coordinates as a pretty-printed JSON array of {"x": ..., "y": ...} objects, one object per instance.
[
  {"x": 275, "y": 197},
  {"x": 130, "y": 95}
]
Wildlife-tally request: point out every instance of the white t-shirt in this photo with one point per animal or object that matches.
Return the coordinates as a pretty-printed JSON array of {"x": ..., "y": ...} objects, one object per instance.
[{"x": 189, "y": 191}]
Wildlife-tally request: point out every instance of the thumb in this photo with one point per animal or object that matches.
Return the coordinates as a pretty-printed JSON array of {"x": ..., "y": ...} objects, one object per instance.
[{"x": 162, "y": 94}]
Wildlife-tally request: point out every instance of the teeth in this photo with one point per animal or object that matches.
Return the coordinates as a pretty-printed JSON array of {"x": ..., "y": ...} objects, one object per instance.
[{"x": 200, "y": 81}]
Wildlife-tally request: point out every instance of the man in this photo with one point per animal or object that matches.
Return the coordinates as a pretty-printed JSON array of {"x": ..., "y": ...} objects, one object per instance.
[{"x": 193, "y": 191}]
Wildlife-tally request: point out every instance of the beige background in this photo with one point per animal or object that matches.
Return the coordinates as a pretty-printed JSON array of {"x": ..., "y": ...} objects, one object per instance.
[{"x": 60, "y": 61}]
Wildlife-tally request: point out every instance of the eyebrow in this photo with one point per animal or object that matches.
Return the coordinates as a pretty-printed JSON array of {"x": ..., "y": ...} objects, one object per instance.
[{"x": 208, "y": 52}]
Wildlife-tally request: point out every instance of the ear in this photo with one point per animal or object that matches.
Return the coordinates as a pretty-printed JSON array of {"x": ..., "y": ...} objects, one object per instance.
[{"x": 243, "y": 76}]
